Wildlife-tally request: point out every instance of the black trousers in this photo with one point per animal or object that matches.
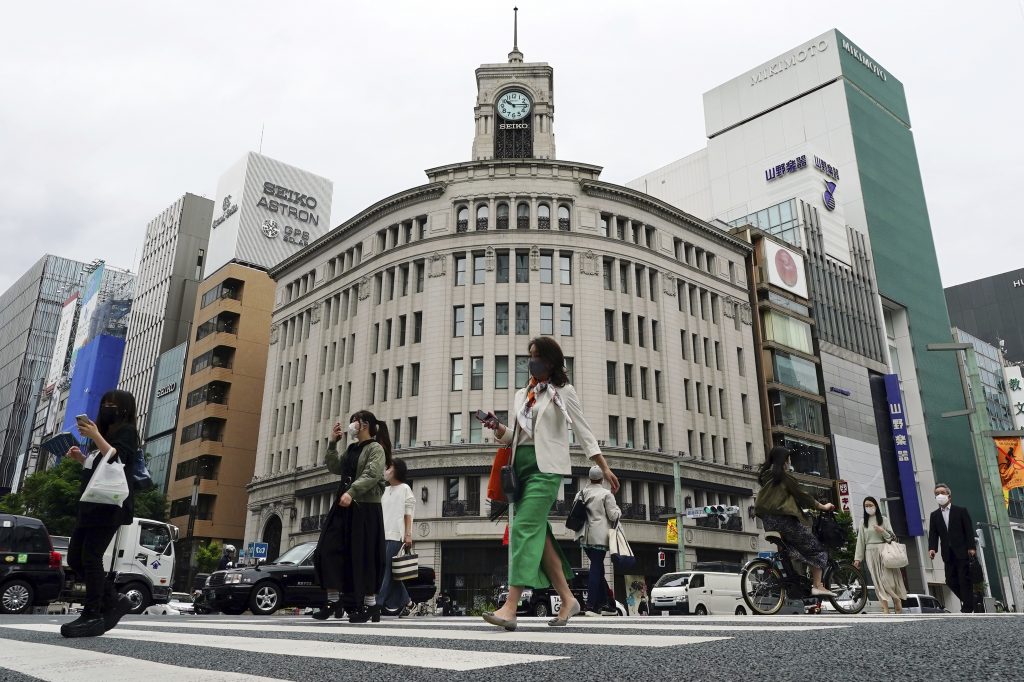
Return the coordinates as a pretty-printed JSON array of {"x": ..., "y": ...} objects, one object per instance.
[
  {"x": 85, "y": 557},
  {"x": 958, "y": 578}
]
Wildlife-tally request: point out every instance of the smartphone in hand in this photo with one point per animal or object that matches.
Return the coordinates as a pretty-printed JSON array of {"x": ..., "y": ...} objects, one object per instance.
[
  {"x": 81, "y": 417},
  {"x": 481, "y": 415}
]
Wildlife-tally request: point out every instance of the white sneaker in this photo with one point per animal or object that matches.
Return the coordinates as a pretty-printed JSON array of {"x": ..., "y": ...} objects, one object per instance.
[{"x": 592, "y": 613}]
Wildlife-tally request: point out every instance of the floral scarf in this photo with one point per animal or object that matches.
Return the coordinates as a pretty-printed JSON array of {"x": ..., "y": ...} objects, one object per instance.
[{"x": 535, "y": 389}]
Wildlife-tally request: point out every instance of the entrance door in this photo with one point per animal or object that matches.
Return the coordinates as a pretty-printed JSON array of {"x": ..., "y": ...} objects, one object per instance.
[{"x": 272, "y": 536}]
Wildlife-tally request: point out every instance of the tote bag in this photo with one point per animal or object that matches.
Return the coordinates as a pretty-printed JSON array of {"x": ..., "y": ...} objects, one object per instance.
[
  {"x": 108, "y": 484},
  {"x": 622, "y": 554},
  {"x": 894, "y": 554},
  {"x": 405, "y": 565}
]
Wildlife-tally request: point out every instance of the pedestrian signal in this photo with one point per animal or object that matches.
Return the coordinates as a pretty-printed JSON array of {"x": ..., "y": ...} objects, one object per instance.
[{"x": 661, "y": 559}]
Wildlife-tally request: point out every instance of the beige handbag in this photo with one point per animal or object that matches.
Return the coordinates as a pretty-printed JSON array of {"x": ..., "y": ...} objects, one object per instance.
[{"x": 894, "y": 554}]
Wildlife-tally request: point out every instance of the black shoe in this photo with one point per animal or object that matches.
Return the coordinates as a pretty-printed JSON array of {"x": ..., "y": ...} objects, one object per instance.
[
  {"x": 324, "y": 612},
  {"x": 118, "y": 610},
  {"x": 364, "y": 614},
  {"x": 92, "y": 626}
]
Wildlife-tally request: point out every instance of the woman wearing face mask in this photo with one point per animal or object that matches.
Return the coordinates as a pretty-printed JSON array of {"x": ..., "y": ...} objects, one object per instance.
[
  {"x": 399, "y": 505},
  {"x": 544, "y": 411},
  {"x": 780, "y": 505},
  {"x": 114, "y": 439},
  {"x": 349, "y": 557},
  {"x": 871, "y": 537}
]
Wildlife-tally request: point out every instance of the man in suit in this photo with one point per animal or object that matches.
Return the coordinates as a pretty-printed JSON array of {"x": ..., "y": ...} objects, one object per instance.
[{"x": 953, "y": 525}]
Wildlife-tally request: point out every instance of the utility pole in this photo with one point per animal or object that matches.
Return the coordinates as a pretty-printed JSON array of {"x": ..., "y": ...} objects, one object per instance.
[
  {"x": 988, "y": 470},
  {"x": 681, "y": 546},
  {"x": 193, "y": 510}
]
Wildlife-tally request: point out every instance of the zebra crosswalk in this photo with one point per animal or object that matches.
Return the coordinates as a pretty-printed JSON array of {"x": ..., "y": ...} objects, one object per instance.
[{"x": 215, "y": 648}]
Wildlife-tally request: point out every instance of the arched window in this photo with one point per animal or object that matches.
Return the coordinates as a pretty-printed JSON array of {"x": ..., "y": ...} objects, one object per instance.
[
  {"x": 503, "y": 216},
  {"x": 543, "y": 217},
  {"x": 563, "y": 218},
  {"x": 523, "y": 216},
  {"x": 481, "y": 217},
  {"x": 462, "y": 221}
]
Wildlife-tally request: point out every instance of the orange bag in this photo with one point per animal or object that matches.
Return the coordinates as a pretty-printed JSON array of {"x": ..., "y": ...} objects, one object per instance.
[{"x": 494, "y": 491}]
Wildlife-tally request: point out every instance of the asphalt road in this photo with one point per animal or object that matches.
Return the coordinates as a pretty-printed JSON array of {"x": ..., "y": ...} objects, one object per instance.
[{"x": 221, "y": 648}]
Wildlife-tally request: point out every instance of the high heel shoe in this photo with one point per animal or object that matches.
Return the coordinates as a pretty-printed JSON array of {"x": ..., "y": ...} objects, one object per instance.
[
  {"x": 569, "y": 613},
  {"x": 366, "y": 613},
  {"x": 324, "y": 612}
]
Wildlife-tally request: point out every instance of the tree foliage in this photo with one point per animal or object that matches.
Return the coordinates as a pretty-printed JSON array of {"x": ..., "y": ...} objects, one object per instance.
[
  {"x": 208, "y": 556},
  {"x": 845, "y": 553},
  {"x": 52, "y": 497}
]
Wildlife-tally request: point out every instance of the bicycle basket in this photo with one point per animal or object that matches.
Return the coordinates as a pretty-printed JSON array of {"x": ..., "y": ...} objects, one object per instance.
[{"x": 828, "y": 531}]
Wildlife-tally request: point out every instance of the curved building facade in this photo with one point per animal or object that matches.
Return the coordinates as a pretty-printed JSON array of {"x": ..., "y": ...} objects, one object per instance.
[{"x": 420, "y": 309}]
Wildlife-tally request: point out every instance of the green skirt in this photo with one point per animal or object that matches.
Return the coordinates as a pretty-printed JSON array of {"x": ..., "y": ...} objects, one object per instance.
[{"x": 530, "y": 527}]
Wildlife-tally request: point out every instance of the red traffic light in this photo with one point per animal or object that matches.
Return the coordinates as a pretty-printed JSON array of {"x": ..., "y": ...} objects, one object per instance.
[{"x": 661, "y": 559}]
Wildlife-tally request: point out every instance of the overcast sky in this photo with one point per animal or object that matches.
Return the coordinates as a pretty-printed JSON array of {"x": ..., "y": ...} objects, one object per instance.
[{"x": 110, "y": 111}]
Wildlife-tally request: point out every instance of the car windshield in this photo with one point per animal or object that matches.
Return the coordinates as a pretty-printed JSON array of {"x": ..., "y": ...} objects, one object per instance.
[
  {"x": 295, "y": 555},
  {"x": 673, "y": 580}
]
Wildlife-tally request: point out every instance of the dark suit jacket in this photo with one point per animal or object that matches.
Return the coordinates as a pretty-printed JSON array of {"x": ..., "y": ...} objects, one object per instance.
[{"x": 956, "y": 539}]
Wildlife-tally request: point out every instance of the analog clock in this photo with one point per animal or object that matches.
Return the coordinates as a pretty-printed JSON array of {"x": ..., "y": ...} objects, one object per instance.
[{"x": 514, "y": 105}]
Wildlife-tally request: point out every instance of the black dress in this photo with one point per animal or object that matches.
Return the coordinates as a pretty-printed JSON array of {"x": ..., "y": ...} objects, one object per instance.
[{"x": 350, "y": 552}]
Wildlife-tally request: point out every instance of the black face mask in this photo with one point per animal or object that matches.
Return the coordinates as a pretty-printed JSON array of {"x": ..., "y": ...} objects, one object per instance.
[
  {"x": 106, "y": 417},
  {"x": 539, "y": 368}
]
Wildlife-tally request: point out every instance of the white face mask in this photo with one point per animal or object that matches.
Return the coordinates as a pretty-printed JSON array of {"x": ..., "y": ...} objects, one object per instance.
[
  {"x": 870, "y": 510},
  {"x": 353, "y": 429},
  {"x": 943, "y": 500}
]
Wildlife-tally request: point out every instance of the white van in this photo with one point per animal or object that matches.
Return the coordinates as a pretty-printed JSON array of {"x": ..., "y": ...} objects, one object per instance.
[
  {"x": 143, "y": 557},
  {"x": 698, "y": 592}
]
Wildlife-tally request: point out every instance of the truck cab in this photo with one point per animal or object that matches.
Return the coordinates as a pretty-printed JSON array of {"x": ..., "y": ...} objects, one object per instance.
[{"x": 143, "y": 563}]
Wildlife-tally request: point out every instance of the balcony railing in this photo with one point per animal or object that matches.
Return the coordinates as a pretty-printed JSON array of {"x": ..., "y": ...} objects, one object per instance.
[
  {"x": 563, "y": 224},
  {"x": 503, "y": 222},
  {"x": 543, "y": 223},
  {"x": 311, "y": 523},
  {"x": 462, "y": 226},
  {"x": 634, "y": 510},
  {"x": 481, "y": 223},
  {"x": 523, "y": 222},
  {"x": 456, "y": 508},
  {"x": 659, "y": 511}
]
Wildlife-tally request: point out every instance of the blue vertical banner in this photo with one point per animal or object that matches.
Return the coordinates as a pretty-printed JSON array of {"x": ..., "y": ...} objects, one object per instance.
[{"x": 904, "y": 460}]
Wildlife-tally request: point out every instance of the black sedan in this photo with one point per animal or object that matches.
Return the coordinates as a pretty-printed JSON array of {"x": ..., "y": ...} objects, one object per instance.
[
  {"x": 545, "y": 602},
  {"x": 288, "y": 581}
]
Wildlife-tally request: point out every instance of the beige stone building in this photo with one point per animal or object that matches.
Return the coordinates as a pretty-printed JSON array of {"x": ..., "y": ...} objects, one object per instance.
[
  {"x": 420, "y": 308},
  {"x": 219, "y": 417}
]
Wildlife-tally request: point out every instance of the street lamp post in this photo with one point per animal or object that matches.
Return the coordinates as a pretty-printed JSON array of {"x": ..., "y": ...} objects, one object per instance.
[
  {"x": 988, "y": 469},
  {"x": 681, "y": 546},
  {"x": 193, "y": 510}
]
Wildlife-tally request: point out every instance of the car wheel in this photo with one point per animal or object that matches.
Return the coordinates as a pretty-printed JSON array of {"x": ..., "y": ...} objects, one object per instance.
[
  {"x": 701, "y": 611},
  {"x": 265, "y": 599},
  {"x": 138, "y": 595},
  {"x": 16, "y": 597},
  {"x": 234, "y": 610},
  {"x": 740, "y": 611},
  {"x": 541, "y": 610}
]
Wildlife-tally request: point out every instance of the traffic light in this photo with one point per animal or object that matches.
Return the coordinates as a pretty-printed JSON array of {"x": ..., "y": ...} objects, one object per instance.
[{"x": 661, "y": 559}]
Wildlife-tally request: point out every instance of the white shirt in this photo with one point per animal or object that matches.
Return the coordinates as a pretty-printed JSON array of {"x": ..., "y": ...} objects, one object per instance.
[
  {"x": 945, "y": 515},
  {"x": 397, "y": 502}
]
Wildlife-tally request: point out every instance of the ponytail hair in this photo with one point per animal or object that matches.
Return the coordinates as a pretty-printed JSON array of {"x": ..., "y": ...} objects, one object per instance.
[{"x": 378, "y": 431}]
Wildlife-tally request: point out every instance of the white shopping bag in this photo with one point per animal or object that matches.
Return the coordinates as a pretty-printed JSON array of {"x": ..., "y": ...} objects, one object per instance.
[{"x": 108, "y": 485}]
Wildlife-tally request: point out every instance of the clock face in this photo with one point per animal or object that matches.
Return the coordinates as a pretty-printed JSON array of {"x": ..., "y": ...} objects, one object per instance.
[{"x": 514, "y": 105}]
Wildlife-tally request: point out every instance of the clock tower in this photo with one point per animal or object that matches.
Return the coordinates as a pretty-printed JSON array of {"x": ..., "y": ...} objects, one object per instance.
[{"x": 514, "y": 108}]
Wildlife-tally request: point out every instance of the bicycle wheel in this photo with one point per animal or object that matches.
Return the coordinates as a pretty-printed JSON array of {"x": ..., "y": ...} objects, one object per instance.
[
  {"x": 761, "y": 585},
  {"x": 847, "y": 582}
]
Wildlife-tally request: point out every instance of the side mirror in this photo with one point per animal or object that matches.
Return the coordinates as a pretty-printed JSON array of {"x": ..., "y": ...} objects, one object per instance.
[{"x": 174, "y": 533}]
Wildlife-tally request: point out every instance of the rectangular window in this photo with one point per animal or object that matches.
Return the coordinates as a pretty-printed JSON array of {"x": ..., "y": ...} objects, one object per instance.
[
  {"x": 607, "y": 273},
  {"x": 414, "y": 389},
  {"x": 460, "y": 270},
  {"x": 547, "y": 322},
  {"x": 456, "y": 374},
  {"x": 401, "y": 330},
  {"x": 421, "y": 268},
  {"x": 657, "y": 385},
  {"x": 630, "y": 432},
  {"x": 643, "y": 383},
  {"x": 624, "y": 277},
  {"x": 384, "y": 375},
  {"x": 388, "y": 328},
  {"x": 476, "y": 432},
  {"x": 718, "y": 356},
  {"x": 570, "y": 367},
  {"x": 399, "y": 381},
  {"x": 373, "y": 387},
  {"x": 476, "y": 376},
  {"x": 522, "y": 370},
  {"x": 545, "y": 268},
  {"x": 711, "y": 401},
  {"x": 478, "y": 320},
  {"x": 479, "y": 269},
  {"x": 376, "y": 336},
  {"x": 522, "y": 267},
  {"x": 745, "y": 408},
  {"x": 682, "y": 343},
  {"x": 500, "y": 371},
  {"x": 626, "y": 324},
  {"x": 796, "y": 372},
  {"x": 796, "y": 412},
  {"x": 787, "y": 331},
  {"x": 501, "y": 318},
  {"x": 455, "y": 431},
  {"x": 613, "y": 430},
  {"x": 662, "y": 445},
  {"x": 404, "y": 270},
  {"x": 565, "y": 268},
  {"x": 645, "y": 432},
  {"x": 686, "y": 393},
  {"x": 413, "y": 423},
  {"x": 609, "y": 325},
  {"x": 627, "y": 376},
  {"x": 612, "y": 382},
  {"x": 695, "y": 345},
  {"x": 640, "y": 324},
  {"x": 655, "y": 334},
  {"x": 699, "y": 395},
  {"x": 459, "y": 321},
  {"x": 396, "y": 432},
  {"x": 741, "y": 366},
  {"x": 522, "y": 319},
  {"x": 721, "y": 402},
  {"x": 502, "y": 267},
  {"x": 707, "y": 352},
  {"x": 566, "y": 320},
  {"x": 638, "y": 273},
  {"x": 417, "y": 327}
]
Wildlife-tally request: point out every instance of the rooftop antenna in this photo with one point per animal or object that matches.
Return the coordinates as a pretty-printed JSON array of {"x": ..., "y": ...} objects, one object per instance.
[{"x": 515, "y": 56}]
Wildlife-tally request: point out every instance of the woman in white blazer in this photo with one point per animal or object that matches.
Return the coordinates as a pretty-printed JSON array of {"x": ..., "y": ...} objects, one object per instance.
[{"x": 543, "y": 413}]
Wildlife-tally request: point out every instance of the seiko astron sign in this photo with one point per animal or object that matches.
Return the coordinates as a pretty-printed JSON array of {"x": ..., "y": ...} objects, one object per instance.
[{"x": 266, "y": 210}]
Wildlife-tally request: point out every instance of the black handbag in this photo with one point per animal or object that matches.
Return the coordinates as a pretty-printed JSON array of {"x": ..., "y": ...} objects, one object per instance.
[
  {"x": 577, "y": 514},
  {"x": 509, "y": 478},
  {"x": 828, "y": 531}
]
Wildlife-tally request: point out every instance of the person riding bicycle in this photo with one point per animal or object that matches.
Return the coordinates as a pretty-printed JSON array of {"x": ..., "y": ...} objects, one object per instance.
[{"x": 780, "y": 504}]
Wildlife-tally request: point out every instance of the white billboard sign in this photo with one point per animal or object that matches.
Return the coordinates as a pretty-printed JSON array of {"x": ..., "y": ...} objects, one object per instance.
[
  {"x": 62, "y": 347},
  {"x": 785, "y": 268},
  {"x": 1015, "y": 391}
]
